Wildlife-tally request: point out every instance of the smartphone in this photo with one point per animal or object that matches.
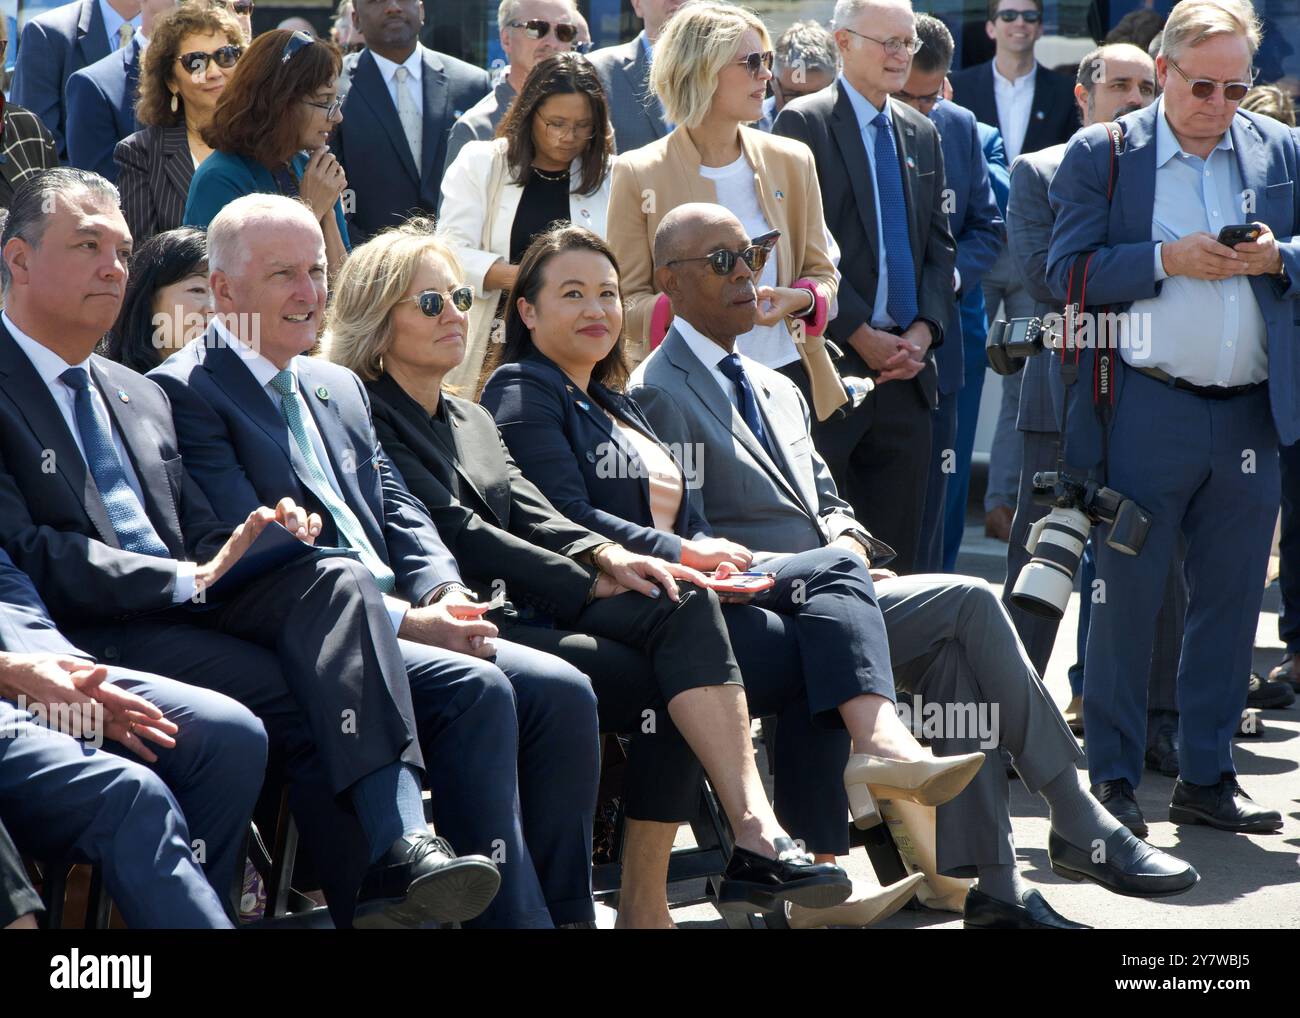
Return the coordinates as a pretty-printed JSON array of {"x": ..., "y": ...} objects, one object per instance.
[
  {"x": 751, "y": 582},
  {"x": 1245, "y": 233},
  {"x": 767, "y": 240}
]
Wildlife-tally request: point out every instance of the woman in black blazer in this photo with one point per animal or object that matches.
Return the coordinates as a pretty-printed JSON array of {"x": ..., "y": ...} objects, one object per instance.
[{"x": 398, "y": 319}]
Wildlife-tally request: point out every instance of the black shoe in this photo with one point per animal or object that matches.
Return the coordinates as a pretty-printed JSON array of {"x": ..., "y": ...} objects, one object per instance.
[
  {"x": 766, "y": 884},
  {"x": 1224, "y": 805},
  {"x": 1265, "y": 695},
  {"x": 420, "y": 879},
  {"x": 983, "y": 912},
  {"x": 1118, "y": 798},
  {"x": 1288, "y": 671},
  {"x": 1162, "y": 750},
  {"x": 1129, "y": 866}
]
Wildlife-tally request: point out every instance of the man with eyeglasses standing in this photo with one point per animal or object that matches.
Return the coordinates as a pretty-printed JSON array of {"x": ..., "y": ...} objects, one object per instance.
[
  {"x": 402, "y": 101},
  {"x": 1033, "y": 108},
  {"x": 880, "y": 171},
  {"x": 1207, "y": 380},
  {"x": 531, "y": 31}
]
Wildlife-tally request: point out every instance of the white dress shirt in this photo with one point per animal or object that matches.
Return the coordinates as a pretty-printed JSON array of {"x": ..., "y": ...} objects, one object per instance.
[
  {"x": 710, "y": 355},
  {"x": 50, "y": 366},
  {"x": 1015, "y": 101},
  {"x": 414, "y": 65}
]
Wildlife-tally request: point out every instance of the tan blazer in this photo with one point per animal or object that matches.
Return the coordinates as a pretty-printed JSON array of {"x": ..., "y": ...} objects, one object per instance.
[{"x": 650, "y": 181}]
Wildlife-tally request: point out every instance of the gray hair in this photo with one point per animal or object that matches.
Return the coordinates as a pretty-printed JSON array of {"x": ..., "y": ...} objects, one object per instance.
[
  {"x": 37, "y": 197},
  {"x": 225, "y": 244},
  {"x": 848, "y": 10},
  {"x": 506, "y": 13},
  {"x": 1193, "y": 21},
  {"x": 808, "y": 45},
  {"x": 936, "y": 49}
]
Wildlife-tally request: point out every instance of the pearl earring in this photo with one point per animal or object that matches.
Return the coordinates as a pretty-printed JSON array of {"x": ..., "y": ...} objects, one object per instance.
[{"x": 175, "y": 103}]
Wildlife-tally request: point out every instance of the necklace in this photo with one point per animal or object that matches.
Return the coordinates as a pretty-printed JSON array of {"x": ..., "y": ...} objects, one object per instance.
[{"x": 551, "y": 176}]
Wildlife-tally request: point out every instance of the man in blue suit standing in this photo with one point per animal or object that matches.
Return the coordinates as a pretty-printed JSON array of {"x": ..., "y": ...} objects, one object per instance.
[
  {"x": 1208, "y": 380},
  {"x": 976, "y": 225},
  {"x": 400, "y": 107},
  {"x": 55, "y": 45},
  {"x": 101, "y": 98}
]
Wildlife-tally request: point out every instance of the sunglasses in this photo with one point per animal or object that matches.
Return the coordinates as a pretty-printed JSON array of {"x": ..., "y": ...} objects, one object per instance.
[
  {"x": 197, "y": 62},
  {"x": 1203, "y": 88},
  {"x": 755, "y": 62},
  {"x": 299, "y": 40},
  {"x": 723, "y": 261},
  {"x": 1030, "y": 17},
  {"x": 242, "y": 6},
  {"x": 431, "y": 302},
  {"x": 538, "y": 29}
]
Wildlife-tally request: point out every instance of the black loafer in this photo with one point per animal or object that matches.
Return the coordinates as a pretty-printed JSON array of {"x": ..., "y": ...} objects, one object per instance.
[
  {"x": 1162, "y": 751},
  {"x": 1288, "y": 671},
  {"x": 1129, "y": 866},
  {"x": 750, "y": 880},
  {"x": 1224, "y": 805},
  {"x": 1266, "y": 695},
  {"x": 1121, "y": 803},
  {"x": 420, "y": 879},
  {"x": 986, "y": 913}
]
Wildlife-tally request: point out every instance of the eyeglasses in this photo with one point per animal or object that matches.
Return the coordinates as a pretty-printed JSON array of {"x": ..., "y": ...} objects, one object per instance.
[
  {"x": 431, "y": 302},
  {"x": 1203, "y": 88},
  {"x": 331, "y": 108},
  {"x": 539, "y": 29},
  {"x": 197, "y": 62},
  {"x": 892, "y": 45},
  {"x": 723, "y": 261},
  {"x": 1030, "y": 17},
  {"x": 559, "y": 130},
  {"x": 242, "y": 6},
  {"x": 933, "y": 99},
  {"x": 299, "y": 40},
  {"x": 755, "y": 62}
]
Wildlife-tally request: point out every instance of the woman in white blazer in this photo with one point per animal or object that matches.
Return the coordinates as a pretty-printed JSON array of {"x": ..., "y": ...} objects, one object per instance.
[{"x": 550, "y": 161}]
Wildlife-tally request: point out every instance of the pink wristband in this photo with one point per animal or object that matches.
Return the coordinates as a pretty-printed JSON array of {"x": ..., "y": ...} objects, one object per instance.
[{"x": 815, "y": 318}]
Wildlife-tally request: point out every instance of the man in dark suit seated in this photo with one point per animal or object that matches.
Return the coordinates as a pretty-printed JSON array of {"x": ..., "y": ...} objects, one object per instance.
[
  {"x": 401, "y": 104},
  {"x": 950, "y": 640},
  {"x": 156, "y": 827},
  {"x": 97, "y": 508},
  {"x": 254, "y": 416}
]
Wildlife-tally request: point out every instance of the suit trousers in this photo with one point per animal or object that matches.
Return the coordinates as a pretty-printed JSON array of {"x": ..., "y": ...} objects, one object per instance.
[
  {"x": 943, "y": 463},
  {"x": 972, "y": 687},
  {"x": 63, "y": 799},
  {"x": 1002, "y": 286},
  {"x": 1288, "y": 618},
  {"x": 1210, "y": 468},
  {"x": 17, "y": 896}
]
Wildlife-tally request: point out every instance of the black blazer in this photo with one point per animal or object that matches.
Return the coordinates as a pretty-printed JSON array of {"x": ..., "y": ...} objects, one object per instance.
[
  {"x": 154, "y": 169},
  {"x": 826, "y": 123},
  {"x": 492, "y": 518},
  {"x": 1055, "y": 115},
  {"x": 52, "y": 521},
  {"x": 564, "y": 444}
]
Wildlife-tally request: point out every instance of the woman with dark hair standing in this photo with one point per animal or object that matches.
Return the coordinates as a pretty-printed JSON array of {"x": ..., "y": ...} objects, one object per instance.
[
  {"x": 549, "y": 162},
  {"x": 168, "y": 301},
  {"x": 270, "y": 132}
]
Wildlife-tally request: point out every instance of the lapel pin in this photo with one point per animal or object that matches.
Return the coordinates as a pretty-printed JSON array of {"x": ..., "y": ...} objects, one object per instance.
[
  {"x": 122, "y": 395},
  {"x": 585, "y": 406},
  {"x": 322, "y": 392},
  {"x": 1040, "y": 115},
  {"x": 586, "y": 214},
  {"x": 780, "y": 196},
  {"x": 911, "y": 163}
]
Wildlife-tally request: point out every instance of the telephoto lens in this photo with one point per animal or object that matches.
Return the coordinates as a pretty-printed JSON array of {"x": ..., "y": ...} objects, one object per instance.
[{"x": 1055, "y": 544}]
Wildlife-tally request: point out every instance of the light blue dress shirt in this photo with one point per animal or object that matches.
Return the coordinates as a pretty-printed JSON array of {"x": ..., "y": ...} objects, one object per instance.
[
  {"x": 1203, "y": 331},
  {"x": 866, "y": 113},
  {"x": 113, "y": 23}
]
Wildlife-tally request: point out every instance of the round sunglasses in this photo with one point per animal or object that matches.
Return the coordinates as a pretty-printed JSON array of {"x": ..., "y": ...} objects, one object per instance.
[
  {"x": 198, "y": 61},
  {"x": 722, "y": 261},
  {"x": 431, "y": 302},
  {"x": 539, "y": 29},
  {"x": 1203, "y": 88}
]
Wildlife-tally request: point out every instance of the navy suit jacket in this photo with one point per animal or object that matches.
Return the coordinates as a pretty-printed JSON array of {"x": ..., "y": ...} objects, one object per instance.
[
  {"x": 1053, "y": 119},
  {"x": 239, "y": 450},
  {"x": 51, "y": 48},
  {"x": 1122, "y": 269},
  {"x": 974, "y": 220},
  {"x": 25, "y": 623},
  {"x": 565, "y": 444},
  {"x": 373, "y": 150},
  {"x": 101, "y": 109}
]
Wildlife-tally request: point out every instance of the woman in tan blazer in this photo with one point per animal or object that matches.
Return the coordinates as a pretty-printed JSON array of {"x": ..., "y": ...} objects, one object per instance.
[{"x": 710, "y": 70}]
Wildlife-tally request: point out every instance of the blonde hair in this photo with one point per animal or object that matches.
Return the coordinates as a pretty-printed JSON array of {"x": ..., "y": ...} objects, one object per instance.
[
  {"x": 698, "y": 42},
  {"x": 1270, "y": 101},
  {"x": 371, "y": 283},
  {"x": 1193, "y": 21}
]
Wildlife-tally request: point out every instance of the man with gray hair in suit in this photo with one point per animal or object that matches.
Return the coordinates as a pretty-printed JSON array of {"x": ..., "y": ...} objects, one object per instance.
[
  {"x": 763, "y": 484},
  {"x": 806, "y": 62}
]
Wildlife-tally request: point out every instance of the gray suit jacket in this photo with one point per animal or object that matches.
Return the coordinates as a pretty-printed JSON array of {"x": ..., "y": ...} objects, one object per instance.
[
  {"x": 624, "y": 73},
  {"x": 786, "y": 506},
  {"x": 1029, "y": 232},
  {"x": 479, "y": 122}
]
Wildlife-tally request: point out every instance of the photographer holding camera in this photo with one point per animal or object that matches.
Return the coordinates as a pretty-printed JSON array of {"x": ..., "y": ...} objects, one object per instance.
[{"x": 1188, "y": 423}]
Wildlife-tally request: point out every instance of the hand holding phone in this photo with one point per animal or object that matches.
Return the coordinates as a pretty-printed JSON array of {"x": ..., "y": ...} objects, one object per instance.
[{"x": 1242, "y": 233}]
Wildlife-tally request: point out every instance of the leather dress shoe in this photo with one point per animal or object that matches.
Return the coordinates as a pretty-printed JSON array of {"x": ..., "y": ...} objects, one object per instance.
[
  {"x": 1224, "y": 805},
  {"x": 1162, "y": 750},
  {"x": 1121, "y": 803},
  {"x": 1128, "y": 866},
  {"x": 1073, "y": 714},
  {"x": 1266, "y": 695},
  {"x": 869, "y": 903},
  {"x": 930, "y": 781},
  {"x": 753, "y": 881},
  {"x": 420, "y": 879},
  {"x": 983, "y": 912},
  {"x": 1288, "y": 671},
  {"x": 997, "y": 523}
]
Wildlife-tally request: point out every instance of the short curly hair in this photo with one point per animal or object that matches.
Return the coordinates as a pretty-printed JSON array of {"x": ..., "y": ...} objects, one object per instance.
[{"x": 153, "y": 108}]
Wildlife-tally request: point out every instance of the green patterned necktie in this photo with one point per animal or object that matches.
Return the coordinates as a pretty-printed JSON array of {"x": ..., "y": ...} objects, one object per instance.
[{"x": 346, "y": 523}]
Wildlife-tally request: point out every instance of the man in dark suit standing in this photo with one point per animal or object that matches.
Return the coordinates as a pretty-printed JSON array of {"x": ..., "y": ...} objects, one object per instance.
[
  {"x": 1032, "y": 107},
  {"x": 624, "y": 72},
  {"x": 880, "y": 169},
  {"x": 401, "y": 104},
  {"x": 56, "y": 44},
  {"x": 976, "y": 226}
]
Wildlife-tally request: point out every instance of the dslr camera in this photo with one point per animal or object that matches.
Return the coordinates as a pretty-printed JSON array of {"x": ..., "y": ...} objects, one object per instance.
[
  {"x": 1009, "y": 343},
  {"x": 1056, "y": 542}
]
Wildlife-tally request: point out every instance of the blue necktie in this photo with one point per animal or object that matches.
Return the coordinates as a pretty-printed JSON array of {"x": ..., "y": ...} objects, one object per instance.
[
  {"x": 901, "y": 299},
  {"x": 125, "y": 513},
  {"x": 733, "y": 369}
]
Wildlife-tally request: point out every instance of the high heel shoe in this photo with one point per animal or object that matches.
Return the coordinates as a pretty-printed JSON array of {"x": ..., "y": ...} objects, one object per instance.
[{"x": 930, "y": 782}]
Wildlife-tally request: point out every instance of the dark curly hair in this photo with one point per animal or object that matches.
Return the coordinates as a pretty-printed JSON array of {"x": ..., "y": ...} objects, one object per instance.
[{"x": 153, "y": 108}]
